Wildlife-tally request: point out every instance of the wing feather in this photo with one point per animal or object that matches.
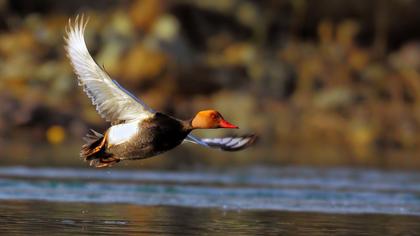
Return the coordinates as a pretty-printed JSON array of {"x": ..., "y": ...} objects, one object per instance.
[
  {"x": 231, "y": 144},
  {"x": 112, "y": 101}
]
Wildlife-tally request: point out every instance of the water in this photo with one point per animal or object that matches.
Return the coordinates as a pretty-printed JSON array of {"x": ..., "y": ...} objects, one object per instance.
[
  {"x": 242, "y": 201},
  {"x": 51, "y": 218}
]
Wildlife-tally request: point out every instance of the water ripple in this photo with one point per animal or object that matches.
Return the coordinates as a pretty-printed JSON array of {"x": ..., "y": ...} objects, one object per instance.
[{"x": 292, "y": 189}]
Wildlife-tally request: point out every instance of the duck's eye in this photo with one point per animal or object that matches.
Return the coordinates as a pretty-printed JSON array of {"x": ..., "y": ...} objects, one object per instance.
[{"x": 213, "y": 116}]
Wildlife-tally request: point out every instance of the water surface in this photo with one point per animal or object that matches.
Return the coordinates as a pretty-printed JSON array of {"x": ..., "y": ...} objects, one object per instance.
[
  {"x": 69, "y": 218},
  {"x": 244, "y": 201}
]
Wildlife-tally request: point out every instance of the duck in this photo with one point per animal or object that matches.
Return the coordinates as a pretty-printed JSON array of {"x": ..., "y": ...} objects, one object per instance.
[{"x": 136, "y": 131}]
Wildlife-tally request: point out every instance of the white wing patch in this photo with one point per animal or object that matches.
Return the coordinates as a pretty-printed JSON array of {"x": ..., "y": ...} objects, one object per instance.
[
  {"x": 112, "y": 102},
  {"x": 225, "y": 144},
  {"x": 121, "y": 133}
]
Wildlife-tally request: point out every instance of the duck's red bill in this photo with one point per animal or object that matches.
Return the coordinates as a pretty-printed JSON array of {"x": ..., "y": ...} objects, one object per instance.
[{"x": 227, "y": 125}]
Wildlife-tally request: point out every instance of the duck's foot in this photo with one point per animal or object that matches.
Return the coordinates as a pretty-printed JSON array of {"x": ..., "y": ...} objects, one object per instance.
[{"x": 101, "y": 163}]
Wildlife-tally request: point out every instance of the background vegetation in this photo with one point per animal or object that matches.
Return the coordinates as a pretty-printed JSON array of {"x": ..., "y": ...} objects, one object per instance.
[{"x": 322, "y": 82}]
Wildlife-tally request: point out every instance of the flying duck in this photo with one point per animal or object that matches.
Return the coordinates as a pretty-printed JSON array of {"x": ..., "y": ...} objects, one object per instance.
[{"x": 136, "y": 131}]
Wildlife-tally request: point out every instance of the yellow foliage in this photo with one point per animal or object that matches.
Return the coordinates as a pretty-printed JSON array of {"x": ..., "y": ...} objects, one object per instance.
[
  {"x": 346, "y": 33},
  {"x": 142, "y": 62},
  {"x": 361, "y": 138},
  {"x": 55, "y": 134},
  {"x": 325, "y": 32},
  {"x": 143, "y": 13},
  {"x": 239, "y": 53},
  {"x": 358, "y": 59}
]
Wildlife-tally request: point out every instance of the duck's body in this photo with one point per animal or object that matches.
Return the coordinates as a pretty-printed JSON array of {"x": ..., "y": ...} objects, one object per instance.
[
  {"x": 136, "y": 140},
  {"x": 155, "y": 135},
  {"x": 137, "y": 131}
]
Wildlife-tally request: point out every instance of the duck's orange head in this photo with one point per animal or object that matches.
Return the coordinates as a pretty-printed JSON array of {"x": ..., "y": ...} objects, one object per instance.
[{"x": 210, "y": 119}]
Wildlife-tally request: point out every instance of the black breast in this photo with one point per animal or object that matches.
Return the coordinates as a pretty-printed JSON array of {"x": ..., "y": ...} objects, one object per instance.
[{"x": 164, "y": 132}]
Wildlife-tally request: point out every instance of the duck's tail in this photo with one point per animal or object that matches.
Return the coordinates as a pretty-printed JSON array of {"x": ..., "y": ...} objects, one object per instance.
[{"x": 95, "y": 150}]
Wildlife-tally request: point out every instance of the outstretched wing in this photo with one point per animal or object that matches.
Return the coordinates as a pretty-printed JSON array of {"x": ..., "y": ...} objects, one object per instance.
[
  {"x": 231, "y": 144},
  {"x": 113, "y": 103}
]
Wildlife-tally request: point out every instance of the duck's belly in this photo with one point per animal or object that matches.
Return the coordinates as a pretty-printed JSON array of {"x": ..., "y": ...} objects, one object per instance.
[
  {"x": 133, "y": 150},
  {"x": 146, "y": 141}
]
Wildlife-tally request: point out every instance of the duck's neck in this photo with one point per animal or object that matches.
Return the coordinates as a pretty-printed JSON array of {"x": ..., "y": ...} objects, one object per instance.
[{"x": 187, "y": 125}]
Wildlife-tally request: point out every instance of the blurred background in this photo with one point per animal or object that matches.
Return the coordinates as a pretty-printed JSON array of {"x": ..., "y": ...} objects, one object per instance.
[{"x": 323, "y": 83}]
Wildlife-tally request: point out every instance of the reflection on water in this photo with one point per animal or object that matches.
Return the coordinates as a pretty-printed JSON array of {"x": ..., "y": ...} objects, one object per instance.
[
  {"x": 249, "y": 201},
  {"x": 26, "y": 217},
  {"x": 292, "y": 189}
]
